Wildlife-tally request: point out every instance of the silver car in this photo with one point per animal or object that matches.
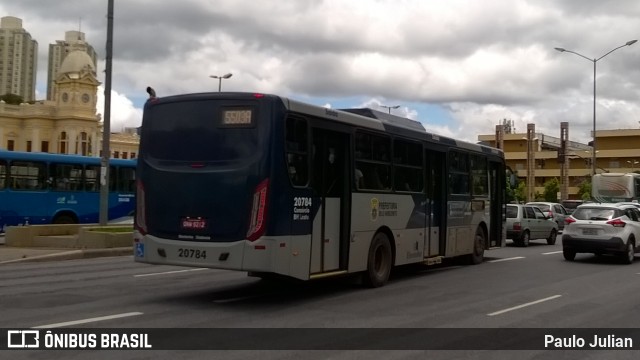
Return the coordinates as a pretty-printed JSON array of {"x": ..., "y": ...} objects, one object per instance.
[
  {"x": 602, "y": 229},
  {"x": 552, "y": 210},
  {"x": 527, "y": 222}
]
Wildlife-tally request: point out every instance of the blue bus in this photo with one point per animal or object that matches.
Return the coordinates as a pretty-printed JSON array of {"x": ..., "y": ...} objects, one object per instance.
[
  {"x": 43, "y": 188},
  {"x": 269, "y": 185}
]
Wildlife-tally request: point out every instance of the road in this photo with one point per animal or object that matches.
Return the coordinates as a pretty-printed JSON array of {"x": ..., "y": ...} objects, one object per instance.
[{"x": 515, "y": 287}]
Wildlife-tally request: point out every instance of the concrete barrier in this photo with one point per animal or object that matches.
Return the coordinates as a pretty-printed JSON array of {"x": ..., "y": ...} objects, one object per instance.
[{"x": 63, "y": 236}]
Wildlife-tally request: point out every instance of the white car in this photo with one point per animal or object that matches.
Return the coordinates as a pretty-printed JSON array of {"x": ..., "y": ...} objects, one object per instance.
[{"x": 602, "y": 229}]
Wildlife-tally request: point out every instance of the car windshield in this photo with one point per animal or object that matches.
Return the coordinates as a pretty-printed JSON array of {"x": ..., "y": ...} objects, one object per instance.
[
  {"x": 594, "y": 214},
  {"x": 512, "y": 211}
]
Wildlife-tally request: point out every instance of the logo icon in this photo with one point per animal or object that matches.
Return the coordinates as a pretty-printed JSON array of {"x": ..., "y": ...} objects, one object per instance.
[
  {"x": 23, "y": 339},
  {"x": 375, "y": 204}
]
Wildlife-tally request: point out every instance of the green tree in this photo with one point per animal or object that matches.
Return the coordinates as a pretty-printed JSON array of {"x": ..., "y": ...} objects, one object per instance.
[
  {"x": 12, "y": 99},
  {"x": 551, "y": 188},
  {"x": 584, "y": 190},
  {"x": 521, "y": 191}
]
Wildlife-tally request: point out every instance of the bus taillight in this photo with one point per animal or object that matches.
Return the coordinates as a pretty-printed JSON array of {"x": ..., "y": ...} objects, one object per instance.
[
  {"x": 141, "y": 221},
  {"x": 258, "y": 211}
]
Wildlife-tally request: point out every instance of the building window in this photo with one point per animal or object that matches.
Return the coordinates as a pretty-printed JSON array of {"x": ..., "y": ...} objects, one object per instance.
[
  {"x": 124, "y": 154},
  {"x": 10, "y": 145},
  {"x": 84, "y": 142},
  {"x": 116, "y": 154},
  {"x": 44, "y": 146},
  {"x": 133, "y": 155},
  {"x": 29, "y": 146},
  {"x": 62, "y": 143}
]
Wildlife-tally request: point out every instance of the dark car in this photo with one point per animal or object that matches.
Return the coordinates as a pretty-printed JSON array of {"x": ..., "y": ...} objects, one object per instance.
[{"x": 571, "y": 205}]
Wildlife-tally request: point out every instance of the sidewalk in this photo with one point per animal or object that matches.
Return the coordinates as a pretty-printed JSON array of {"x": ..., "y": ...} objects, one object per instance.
[{"x": 10, "y": 255}]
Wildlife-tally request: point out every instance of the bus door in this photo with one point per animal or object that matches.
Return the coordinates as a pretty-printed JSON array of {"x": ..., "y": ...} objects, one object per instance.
[
  {"x": 330, "y": 183},
  {"x": 435, "y": 204},
  {"x": 497, "y": 185}
]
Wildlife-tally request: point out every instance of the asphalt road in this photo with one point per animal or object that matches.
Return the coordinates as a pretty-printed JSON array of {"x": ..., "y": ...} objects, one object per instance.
[{"x": 515, "y": 287}]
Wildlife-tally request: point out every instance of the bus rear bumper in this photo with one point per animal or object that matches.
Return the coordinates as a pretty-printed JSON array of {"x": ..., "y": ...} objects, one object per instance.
[
  {"x": 154, "y": 250},
  {"x": 266, "y": 255}
]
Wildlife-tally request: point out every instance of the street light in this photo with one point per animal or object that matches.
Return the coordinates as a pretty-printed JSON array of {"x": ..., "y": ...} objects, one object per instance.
[
  {"x": 225, "y": 76},
  {"x": 593, "y": 156},
  {"x": 633, "y": 162},
  {"x": 390, "y": 107}
]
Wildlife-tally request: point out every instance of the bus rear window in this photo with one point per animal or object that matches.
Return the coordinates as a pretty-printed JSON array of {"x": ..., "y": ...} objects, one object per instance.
[{"x": 201, "y": 130}]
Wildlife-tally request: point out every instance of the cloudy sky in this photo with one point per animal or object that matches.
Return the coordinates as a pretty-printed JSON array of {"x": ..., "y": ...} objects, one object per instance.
[{"x": 457, "y": 66}]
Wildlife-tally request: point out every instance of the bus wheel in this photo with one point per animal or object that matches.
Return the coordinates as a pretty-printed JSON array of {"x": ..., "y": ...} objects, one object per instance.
[
  {"x": 477, "y": 256},
  {"x": 379, "y": 261},
  {"x": 64, "y": 219}
]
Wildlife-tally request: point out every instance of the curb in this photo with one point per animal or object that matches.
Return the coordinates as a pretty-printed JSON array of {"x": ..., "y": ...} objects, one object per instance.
[{"x": 74, "y": 255}]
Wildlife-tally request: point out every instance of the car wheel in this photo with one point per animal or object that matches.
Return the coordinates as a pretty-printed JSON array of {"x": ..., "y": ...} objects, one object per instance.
[
  {"x": 551, "y": 240},
  {"x": 629, "y": 255},
  {"x": 524, "y": 240},
  {"x": 380, "y": 261},
  {"x": 569, "y": 255}
]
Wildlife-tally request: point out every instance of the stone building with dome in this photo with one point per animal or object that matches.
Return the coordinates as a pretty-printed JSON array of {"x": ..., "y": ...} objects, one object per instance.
[{"x": 67, "y": 124}]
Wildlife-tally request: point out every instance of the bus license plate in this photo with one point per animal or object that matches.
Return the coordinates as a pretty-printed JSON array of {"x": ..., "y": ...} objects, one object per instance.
[
  {"x": 589, "y": 231},
  {"x": 194, "y": 224}
]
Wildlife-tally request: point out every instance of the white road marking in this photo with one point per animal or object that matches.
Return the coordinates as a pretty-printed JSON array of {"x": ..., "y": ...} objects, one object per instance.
[
  {"x": 170, "y": 272},
  {"x": 506, "y": 259},
  {"x": 524, "y": 305},
  {"x": 85, "y": 321},
  {"x": 553, "y": 252}
]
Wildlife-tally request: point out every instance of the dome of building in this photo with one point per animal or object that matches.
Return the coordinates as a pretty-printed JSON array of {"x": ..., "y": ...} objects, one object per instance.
[{"x": 77, "y": 61}]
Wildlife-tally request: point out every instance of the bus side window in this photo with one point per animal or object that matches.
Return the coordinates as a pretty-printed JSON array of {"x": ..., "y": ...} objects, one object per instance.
[
  {"x": 113, "y": 178},
  {"x": 27, "y": 175},
  {"x": 296, "y": 150},
  {"x": 65, "y": 177},
  {"x": 372, "y": 154},
  {"x": 3, "y": 174},
  {"x": 126, "y": 179},
  {"x": 91, "y": 179}
]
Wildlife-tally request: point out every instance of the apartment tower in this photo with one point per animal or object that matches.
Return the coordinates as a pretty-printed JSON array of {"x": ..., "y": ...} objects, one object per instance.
[
  {"x": 73, "y": 40},
  {"x": 18, "y": 59}
]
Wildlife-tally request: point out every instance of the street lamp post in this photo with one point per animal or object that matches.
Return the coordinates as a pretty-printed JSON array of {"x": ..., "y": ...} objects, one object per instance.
[
  {"x": 225, "y": 76},
  {"x": 390, "y": 107},
  {"x": 595, "y": 60}
]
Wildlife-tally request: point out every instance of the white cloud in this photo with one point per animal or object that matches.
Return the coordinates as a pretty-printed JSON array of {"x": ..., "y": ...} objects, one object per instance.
[{"x": 123, "y": 112}]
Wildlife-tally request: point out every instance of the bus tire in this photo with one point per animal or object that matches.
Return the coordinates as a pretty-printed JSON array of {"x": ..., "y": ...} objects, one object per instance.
[
  {"x": 64, "y": 219},
  {"x": 379, "y": 261},
  {"x": 477, "y": 256}
]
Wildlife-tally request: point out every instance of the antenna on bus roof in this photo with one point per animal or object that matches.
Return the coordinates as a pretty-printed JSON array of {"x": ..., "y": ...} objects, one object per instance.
[{"x": 151, "y": 92}]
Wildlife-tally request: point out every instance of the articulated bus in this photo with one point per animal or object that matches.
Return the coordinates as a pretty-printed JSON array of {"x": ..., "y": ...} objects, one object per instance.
[
  {"x": 43, "y": 188},
  {"x": 616, "y": 187},
  {"x": 269, "y": 185}
]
